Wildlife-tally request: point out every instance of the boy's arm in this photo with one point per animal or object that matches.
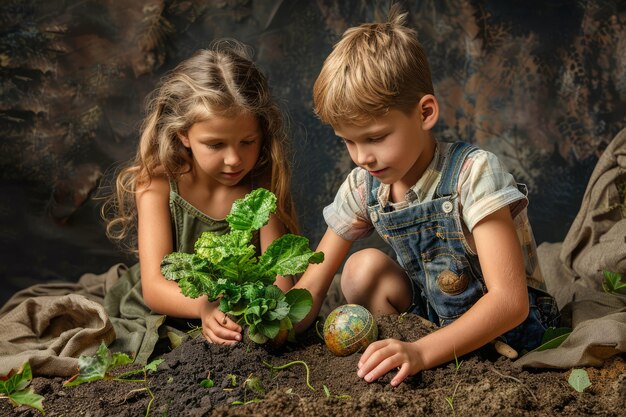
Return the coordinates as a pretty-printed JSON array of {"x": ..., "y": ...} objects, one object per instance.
[
  {"x": 318, "y": 277},
  {"x": 503, "y": 307}
]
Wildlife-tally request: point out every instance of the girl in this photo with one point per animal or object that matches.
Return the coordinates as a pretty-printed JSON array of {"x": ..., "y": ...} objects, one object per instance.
[{"x": 212, "y": 133}]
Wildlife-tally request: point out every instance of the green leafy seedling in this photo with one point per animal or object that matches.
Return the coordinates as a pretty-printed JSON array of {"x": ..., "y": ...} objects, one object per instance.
[
  {"x": 225, "y": 267},
  {"x": 579, "y": 380},
  {"x": 252, "y": 383},
  {"x": 99, "y": 366},
  {"x": 613, "y": 284},
  {"x": 14, "y": 387},
  {"x": 207, "y": 383}
]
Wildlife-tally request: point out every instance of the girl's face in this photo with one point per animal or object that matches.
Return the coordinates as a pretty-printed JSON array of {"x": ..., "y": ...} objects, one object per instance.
[{"x": 224, "y": 149}]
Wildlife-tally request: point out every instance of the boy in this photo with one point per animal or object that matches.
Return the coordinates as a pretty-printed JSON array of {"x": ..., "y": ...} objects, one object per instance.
[{"x": 465, "y": 254}]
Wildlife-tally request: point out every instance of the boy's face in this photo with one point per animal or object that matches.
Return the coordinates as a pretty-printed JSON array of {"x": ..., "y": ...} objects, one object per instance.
[{"x": 394, "y": 148}]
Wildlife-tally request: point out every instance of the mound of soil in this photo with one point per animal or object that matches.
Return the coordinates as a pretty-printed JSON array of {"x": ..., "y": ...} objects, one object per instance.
[{"x": 483, "y": 385}]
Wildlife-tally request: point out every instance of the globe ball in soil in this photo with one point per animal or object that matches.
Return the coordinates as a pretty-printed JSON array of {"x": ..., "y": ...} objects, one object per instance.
[{"x": 348, "y": 329}]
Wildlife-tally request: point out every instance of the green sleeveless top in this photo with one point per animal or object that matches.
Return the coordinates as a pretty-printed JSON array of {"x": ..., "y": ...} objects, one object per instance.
[{"x": 188, "y": 223}]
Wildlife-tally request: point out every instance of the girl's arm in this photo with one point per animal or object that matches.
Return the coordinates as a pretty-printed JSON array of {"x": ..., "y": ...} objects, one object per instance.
[
  {"x": 318, "y": 277},
  {"x": 503, "y": 307},
  {"x": 155, "y": 241}
]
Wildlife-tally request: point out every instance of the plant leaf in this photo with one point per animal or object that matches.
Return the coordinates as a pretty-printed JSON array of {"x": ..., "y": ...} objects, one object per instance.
[
  {"x": 14, "y": 386},
  {"x": 207, "y": 383},
  {"x": 96, "y": 367},
  {"x": 300, "y": 302},
  {"x": 613, "y": 283},
  {"x": 29, "y": 398},
  {"x": 253, "y": 211},
  {"x": 289, "y": 255},
  {"x": 269, "y": 328},
  {"x": 215, "y": 248},
  {"x": 579, "y": 380},
  {"x": 553, "y": 337},
  {"x": 152, "y": 366}
]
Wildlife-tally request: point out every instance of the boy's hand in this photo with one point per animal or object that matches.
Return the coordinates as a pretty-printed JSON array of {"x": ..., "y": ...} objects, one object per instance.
[
  {"x": 217, "y": 327},
  {"x": 386, "y": 355}
]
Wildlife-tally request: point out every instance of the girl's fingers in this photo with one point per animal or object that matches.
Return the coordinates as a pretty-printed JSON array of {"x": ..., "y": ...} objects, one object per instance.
[
  {"x": 212, "y": 337},
  {"x": 230, "y": 332},
  {"x": 228, "y": 323}
]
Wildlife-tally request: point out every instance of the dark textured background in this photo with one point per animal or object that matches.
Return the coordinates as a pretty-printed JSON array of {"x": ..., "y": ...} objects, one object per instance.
[{"x": 540, "y": 83}]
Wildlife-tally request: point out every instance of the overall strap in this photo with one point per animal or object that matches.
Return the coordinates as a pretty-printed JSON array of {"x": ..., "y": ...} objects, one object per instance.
[
  {"x": 372, "y": 185},
  {"x": 451, "y": 169}
]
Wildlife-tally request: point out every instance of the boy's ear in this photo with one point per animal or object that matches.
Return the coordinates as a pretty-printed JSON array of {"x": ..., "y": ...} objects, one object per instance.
[
  {"x": 184, "y": 139},
  {"x": 429, "y": 111}
]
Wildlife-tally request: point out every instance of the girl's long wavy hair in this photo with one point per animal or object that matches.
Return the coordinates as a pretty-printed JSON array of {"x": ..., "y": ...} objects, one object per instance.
[{"x": 222, "y": 81}]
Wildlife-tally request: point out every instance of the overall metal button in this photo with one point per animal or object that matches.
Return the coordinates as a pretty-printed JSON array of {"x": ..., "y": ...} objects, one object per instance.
[
  {"x": 447, "y": 206},
  {"x": 374, "y": 216}
]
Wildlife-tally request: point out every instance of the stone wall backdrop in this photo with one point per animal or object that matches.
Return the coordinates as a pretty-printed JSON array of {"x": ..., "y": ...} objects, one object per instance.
[{"x": 541, "y": 83}]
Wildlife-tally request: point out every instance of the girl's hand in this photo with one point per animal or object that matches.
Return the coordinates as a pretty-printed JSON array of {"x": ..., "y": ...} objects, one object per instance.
[
  {"x": 217, "y": 327},
  {"x": 385, "y": 355}
]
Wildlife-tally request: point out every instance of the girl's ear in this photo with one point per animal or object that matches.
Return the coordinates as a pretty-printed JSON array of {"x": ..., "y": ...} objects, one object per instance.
[
  {"x": 429, "y": 111},
  {"x": 184, "y": 139}
]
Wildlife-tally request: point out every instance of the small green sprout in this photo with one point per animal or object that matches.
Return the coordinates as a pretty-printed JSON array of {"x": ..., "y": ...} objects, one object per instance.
[
  {"x": 253, "y": 384},
  {"x": 328, "y": 394},
  {"x": 207, "y": 382},
  {"x": 450, "y": 399}
]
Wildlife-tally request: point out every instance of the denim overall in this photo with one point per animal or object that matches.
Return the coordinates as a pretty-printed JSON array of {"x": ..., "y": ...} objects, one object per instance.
[{"x": 445, "y": 276}]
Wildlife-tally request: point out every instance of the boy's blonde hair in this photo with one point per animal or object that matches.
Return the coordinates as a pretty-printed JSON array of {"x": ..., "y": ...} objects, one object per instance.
[
  {"x": 221, "y": 81},
  {"x": 373, "y": 68}
]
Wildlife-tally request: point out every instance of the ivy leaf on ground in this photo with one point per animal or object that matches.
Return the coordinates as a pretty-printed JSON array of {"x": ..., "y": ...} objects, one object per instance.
[
  {"x": 96, "y": 367},
  {"x": 14, "y": 386}
]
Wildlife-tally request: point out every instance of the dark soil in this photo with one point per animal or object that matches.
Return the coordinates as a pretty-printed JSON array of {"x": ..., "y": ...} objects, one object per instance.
[{"x": 484, "y": 385}]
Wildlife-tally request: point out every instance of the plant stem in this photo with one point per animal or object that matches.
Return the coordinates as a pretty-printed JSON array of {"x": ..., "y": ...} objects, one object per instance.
[{"x": 278, "y": 368}]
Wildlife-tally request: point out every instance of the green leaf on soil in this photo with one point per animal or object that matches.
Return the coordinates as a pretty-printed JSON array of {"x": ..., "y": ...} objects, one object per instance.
[
  {"x": 207, "y": 383},
  {"x": 96, "y": 367},
  {"x": 14, "y": 386},
  {"x": 579, "y": 380}
]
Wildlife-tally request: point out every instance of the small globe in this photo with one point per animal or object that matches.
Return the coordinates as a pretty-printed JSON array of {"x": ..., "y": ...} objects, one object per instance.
[{"x": 348, "y": 329}]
